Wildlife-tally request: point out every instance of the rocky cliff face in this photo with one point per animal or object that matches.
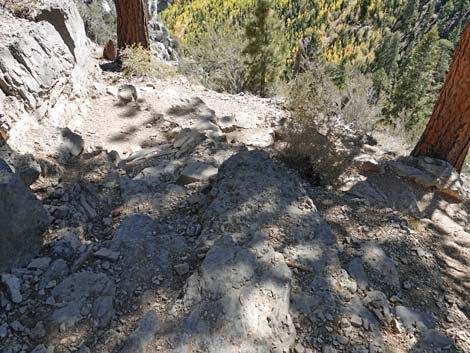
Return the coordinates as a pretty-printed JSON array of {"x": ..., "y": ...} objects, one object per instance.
[{"x": 43, "y": 63}]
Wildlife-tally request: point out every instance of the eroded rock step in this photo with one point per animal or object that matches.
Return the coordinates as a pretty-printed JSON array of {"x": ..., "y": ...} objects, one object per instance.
[{"x": 239, "y": 298}]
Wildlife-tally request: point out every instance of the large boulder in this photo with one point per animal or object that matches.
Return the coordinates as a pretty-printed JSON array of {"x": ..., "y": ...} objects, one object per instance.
[
  {"x": 239, "y": 300},
  {"x": 42, "y": 64},
  {"x": 431, "y": 173},
  {"x": 66, "y": 19},
  {"x": 33, "y": 59},
  {"x": 23, "y": 220}
]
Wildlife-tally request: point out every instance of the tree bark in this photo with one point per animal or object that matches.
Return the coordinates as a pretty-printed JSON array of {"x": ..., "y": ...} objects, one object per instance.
[
  {"x": 447, "y": 135},
  {"x": 132, "y": 23}
]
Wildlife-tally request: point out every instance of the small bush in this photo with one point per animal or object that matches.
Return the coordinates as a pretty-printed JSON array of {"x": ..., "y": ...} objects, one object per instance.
[
  {"x": 320, "y": 136},
  {"x": 140, "y": 62},
  {"x": 217, "y": 60},
  {"x": 360, "y": 108}
]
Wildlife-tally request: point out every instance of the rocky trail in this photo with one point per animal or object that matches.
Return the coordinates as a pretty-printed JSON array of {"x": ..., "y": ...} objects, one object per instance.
[
  {"x": 172, "y": 224},
  {"x": 200, "y": 240}
]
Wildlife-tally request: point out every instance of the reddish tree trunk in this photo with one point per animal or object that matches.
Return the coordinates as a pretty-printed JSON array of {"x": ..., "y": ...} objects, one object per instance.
[
  {"x": 132, "y": 23},
  {"x": 447, "y": 135}
]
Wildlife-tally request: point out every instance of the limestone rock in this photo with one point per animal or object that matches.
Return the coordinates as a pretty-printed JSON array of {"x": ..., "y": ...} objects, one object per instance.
[
  {"x": 145, "y": 248},
  {"x": 413, "y": 319},
  {"x": 435, "y": 341},
  {"x": 381, "y": 265},
  {"x": 107, "y": 254},
  {"x": 40, "y": 263},
  {"x": 41, "y": 62},
  {"x": 259, "y": 137},
  {"x": 80, "y": 290},
  {"x": 368, "y": 164},
  {"x": 13, "y": 284},
  {"x": 431, "y": 173},
  {"x": 144, "y": 334},
  {"x": 57, "y": 271},
  {"x": 66, "y": 19},
  {"x": 23, "y": 221},
  {"x": 24, "y": 165},
  {"x": 225, "y": 295},
  {"x": 196, "y": 171}
]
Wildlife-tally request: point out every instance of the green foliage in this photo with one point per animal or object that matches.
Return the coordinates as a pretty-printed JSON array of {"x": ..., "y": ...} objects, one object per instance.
[
  {"x": 415, "y": 91},
  {"x": 313, "y": 99},
  {"x": 217, "y": 60},
  {"x": 404, "y": 46},
  {"x": 387, "y": 54},
  {"x": 409, "y": 15},
  {"x": 265, "y": 50},
  {"x": 317, "y": 140}
]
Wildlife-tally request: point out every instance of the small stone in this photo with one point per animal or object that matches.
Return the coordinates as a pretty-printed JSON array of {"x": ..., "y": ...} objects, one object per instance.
[
  {"x": 3, "y": 330},
  {"x": 450, "y": 318},
  {"x": 17, "y": 326},
  {"x": 344, "y": 323},
  {"x": 106, "y": 265},
  {"x": 406, "y": 285},
  {"x": 342, "y": 340},
  {"x": 40, "y": 263},
  {"x": 328, "y": 349},
  {"x": 13, "y": 286},
  {"x": 356, "y": 321},
  {"x": 107, "y": 221},
  {"x": 51, "y": 284},
  {"x": 40, "y": 348},
  {"x": 421, "y": 252},
  {"x": 39, "y": 331},
  {"x": 50, "y": 301},
  {"x": 396, "y": 326},
  {"x": 107, "y": 254},
  {"x": 84, "y": 349},
  {"x": 182, "y": 269},
  {"x": 299, "y": 348}
]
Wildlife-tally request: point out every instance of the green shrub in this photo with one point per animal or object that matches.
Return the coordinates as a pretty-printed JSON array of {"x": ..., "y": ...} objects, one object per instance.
[
  {"x": 140, "y": 62},
  {"x": 216, "y": 60},
  {"x": 319, "y": 139},
  {"x": 313, "y": 100}
]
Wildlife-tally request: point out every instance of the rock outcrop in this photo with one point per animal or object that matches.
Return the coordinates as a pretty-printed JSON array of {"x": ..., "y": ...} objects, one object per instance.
[
  {"x": 42, "y": 64},
  {"x": 431, "y": 174},
  {"x": 23, "y": 221}
]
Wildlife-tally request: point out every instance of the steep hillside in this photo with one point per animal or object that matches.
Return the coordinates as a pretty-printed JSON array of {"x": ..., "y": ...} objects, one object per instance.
[{"x": 347, "y": 30}]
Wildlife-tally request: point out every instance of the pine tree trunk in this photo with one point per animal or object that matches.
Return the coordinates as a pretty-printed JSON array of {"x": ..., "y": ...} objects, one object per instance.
[
  {"x": 447, "y": 135},
  {"x": 132, "y": 23}
]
